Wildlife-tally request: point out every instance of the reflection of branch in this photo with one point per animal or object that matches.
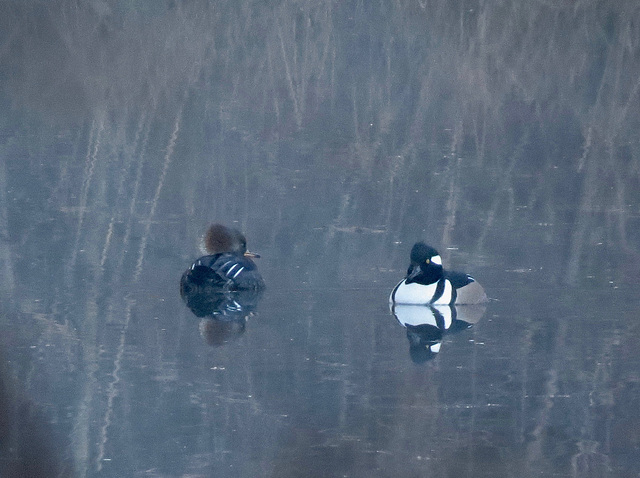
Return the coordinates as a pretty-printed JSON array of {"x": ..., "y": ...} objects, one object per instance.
[
  {"x": 90, "y": 164},
  {"x": 6, "y": 262},
  {"x": 287, "y": 69},
  {"x": 503, "y": 187},
  {"x": 112, "y": 389},
  {"x": 452, "y": 199},
  {"x": 582, "y": 222},
  {"x": 154, "y": 202},
  {"x": 587, "y": 457},
  {"x": 274, "y": 90},
  {"x": 535, "y": 449},
  {"x": 81, "y": 435}
]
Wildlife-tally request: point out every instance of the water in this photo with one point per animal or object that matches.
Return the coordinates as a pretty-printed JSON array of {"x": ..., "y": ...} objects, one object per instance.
[{"x": 335, "y": 136}]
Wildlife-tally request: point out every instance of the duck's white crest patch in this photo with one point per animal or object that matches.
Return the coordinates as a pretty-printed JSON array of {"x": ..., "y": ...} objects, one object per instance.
[
  {"x": 437, "y": 260},
  {"x": 435, "y": 348}
]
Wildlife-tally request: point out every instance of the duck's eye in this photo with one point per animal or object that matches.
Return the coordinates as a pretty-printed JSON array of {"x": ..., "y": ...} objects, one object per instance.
[{"x": 427, "y": 261}]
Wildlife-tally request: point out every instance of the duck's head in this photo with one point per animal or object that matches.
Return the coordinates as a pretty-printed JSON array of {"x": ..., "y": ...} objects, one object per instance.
[
  {"x": 219, "y": 239},
  {"x": 426, "y": 264}
]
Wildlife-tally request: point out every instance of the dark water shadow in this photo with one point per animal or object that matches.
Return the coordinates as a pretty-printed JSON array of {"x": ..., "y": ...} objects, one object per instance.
[{"x": 30, "y": 444}]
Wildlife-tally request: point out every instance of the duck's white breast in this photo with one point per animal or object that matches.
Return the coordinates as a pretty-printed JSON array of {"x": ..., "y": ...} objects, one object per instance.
[
  {"x": 415, "y": 293},
  {"x": 446, "y": 296}
]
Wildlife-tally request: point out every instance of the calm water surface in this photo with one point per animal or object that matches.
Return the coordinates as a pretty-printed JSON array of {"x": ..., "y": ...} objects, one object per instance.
[
  {"x": 320, "y": 382},
  {"x": 335, "y": 135}
]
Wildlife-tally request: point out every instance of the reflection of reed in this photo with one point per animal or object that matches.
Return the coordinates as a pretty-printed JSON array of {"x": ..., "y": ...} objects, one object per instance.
[
  {"x": 458, "y": 74},
  {"x": 156, "y": 195},
  {"x": 139, "y": 151},
  {"x": 113, "y": 389},
  {"x": 504, "y": 188},
  {"x": 6, "y": 262},
  {"x": 93, "y": 149}
]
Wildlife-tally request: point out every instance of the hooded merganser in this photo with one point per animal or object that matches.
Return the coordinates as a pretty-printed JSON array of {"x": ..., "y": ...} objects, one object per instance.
[
  {"x": 227, "y": 267},
  {"x": 427, "y": 283}
]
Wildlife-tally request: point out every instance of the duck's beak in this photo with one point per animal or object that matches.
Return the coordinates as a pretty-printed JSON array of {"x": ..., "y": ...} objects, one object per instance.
[
  {"x": 412, "y": 273},
  {"x": 252, "y": 255}
]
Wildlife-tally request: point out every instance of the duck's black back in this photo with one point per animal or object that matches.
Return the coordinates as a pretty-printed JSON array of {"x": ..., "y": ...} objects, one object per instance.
[
  {"x": 233, "y": 271},
  {"x": 458, "y": 279}
]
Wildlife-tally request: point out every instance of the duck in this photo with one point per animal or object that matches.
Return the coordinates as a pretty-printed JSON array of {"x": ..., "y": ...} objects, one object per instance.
[
  {"x": 428, "y": 283},
  {"x": 227, "y": 267}
]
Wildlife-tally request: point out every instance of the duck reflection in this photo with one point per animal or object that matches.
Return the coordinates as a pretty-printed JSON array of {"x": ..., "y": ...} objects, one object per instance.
[
  {"x": 224, "y": 313},
  {"x": 427, "y": 325}
]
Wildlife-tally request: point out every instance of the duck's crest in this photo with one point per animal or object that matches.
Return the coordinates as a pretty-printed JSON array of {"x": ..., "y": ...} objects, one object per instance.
[{"x": 217, "y": 238}]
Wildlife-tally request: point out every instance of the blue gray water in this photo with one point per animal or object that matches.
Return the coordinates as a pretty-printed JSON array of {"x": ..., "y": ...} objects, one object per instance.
[{"x": 335, "y": 135}]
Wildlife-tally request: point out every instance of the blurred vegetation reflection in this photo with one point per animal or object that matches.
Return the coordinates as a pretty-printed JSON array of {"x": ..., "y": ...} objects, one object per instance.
[
  {"x": 471, "y": 118},
  {"x": 335, "y": 134}
]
